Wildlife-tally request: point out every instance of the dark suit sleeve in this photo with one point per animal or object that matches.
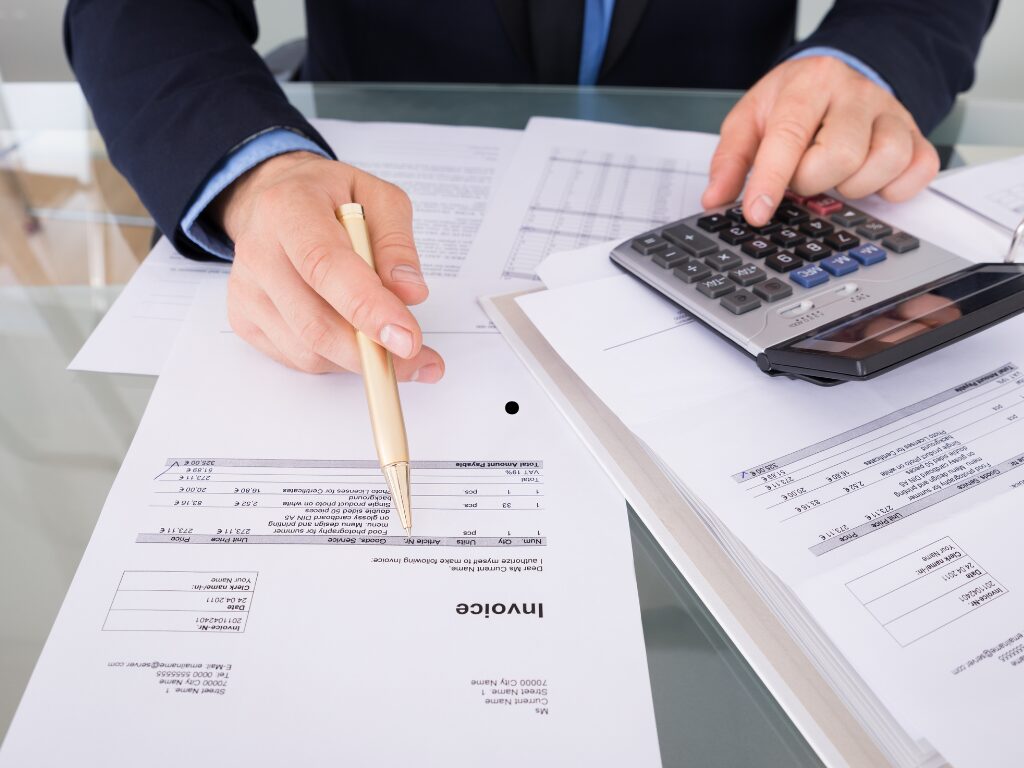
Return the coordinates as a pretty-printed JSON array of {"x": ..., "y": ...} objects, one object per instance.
[
  {"x": 924, "y": 49},
  {"x": 174, "y": 86}
]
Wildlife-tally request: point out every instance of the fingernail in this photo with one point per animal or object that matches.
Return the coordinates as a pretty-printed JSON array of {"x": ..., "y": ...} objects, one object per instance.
[
  {"x": 407, "y": 273},
  {"x": 428, "y": 374},
  {"x": 397, "y": 340},
  {"x": 762, "y": 208}
]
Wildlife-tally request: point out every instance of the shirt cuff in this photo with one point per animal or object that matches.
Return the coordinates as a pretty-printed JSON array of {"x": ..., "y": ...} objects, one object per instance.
[
  {"x": 247, "y": 156},
  {"x": 851, "y": 61}
]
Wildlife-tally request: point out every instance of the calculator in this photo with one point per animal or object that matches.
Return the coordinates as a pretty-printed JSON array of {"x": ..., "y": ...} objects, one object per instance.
[{"x": 823, "y": 292}]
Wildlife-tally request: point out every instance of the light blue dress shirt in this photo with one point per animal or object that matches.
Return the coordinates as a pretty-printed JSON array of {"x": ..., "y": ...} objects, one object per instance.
[{"x": 597, "y": 20}]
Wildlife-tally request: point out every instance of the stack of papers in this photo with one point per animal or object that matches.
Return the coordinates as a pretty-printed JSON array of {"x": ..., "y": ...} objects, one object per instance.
[
  {"x": 994, "y": 190},
  {"x": 248, "y": 590},
  {"x": 875, "y": 519},
  {"x": 246, "y": 568}
]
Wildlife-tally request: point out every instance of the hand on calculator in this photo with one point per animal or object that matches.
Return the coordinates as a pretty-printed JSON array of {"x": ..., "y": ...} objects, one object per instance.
[{"x": 813, "y": 124}]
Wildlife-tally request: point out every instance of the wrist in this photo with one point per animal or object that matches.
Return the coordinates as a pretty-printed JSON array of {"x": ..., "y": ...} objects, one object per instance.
[{"x": 231, "y": 208}]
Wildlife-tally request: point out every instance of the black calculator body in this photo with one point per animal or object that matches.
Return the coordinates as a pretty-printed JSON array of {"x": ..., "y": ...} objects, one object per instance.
[{"x": 823, "y": 292}]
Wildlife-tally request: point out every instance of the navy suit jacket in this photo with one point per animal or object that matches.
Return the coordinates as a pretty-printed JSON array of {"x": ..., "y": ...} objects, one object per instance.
[{"x": 175, "y": 85}]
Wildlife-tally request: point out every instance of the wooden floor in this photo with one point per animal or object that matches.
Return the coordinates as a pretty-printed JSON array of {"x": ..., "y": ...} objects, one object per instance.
[{"x": 85, "y": 227}]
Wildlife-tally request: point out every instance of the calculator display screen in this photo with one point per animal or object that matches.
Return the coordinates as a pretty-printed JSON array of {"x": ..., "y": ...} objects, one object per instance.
[{"x": 909, "y": 325}]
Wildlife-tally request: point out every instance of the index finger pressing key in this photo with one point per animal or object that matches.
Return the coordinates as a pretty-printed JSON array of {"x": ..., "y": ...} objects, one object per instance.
[{"x": 789, "y": 131}]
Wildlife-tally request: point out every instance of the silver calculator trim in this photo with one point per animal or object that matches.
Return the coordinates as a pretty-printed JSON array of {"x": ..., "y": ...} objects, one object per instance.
[{"x": 781, "y": 321}]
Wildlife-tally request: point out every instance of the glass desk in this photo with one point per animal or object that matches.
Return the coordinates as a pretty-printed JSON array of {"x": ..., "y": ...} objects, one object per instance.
[{"x": 72, "y": 232}]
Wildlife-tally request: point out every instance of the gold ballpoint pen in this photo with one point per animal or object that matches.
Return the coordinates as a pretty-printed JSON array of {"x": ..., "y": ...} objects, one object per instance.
[{"x": 381, "y": 387}]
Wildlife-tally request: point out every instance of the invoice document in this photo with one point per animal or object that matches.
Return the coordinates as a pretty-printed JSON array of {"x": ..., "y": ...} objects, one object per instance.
[
  {"x": 448, "y": 171},
  {"x": 888, "y": 510},
  {"x": 248, "y": 598},
  {"x": 577, "y": 183}
]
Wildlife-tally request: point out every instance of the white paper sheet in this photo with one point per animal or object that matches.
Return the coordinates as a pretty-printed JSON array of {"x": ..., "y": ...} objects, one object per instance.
[
  {"x": 448, "y": 171},
  {"x": 246, "y": 598},
  {"x": 995, "y": 190},
  {"x": 578, "y": 182},
  {"x": 824, "y": 484},
  {"x": 579, "y": 266}
]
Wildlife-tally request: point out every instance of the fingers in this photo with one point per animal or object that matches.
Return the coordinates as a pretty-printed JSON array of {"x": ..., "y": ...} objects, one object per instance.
[
  {"x": 255, "y": 319},
  {"x": 789, "y": 130},
  {"x": 811, "y": 125},
  {"x": 923, "y": 166},
  {"x": 892, "y": 149},
  {"x": 319, "y": 250},
  {"x": 304, "y": 330},
  {"x": 733, "y": 156},
  {"x": 389, "y": 221},
  {"x": 839, "y": 150}
]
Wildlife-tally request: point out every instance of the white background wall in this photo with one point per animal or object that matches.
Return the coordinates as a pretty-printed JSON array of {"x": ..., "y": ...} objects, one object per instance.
[{"x": 30, "y": 40}]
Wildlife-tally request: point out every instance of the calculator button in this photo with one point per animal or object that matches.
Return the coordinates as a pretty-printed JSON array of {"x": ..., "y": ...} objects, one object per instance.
[
  {"x": 773, "y": 290},
  {"x": 673, "y": 257},
  {"x": 823, "y": 205},
  {"x": 809, "y": 276},
  {"x": 713, "y": 222},
  {"x": 783, "y": 261},
  {"x": 813, "y": 251},
  {"x": 736, "y": 235},
  {"x": 788, "y": 213},
  {"x": 736, "y": 213},
  {"x": 841, "y": 241},
  {"x": 692, "y": 271},
  {"x": 816, "y": 228},
  {"x": 840, "y": 264},
  {"x": 873, "y": 230},
  {"x": 901, "y": 242},
  {"x": 716, "y": 287},
  {"x": 767, "y": 229},
  {"x": 690, "y": 240},
  {"x": 723, "y": 260},
  {"x": 740, "y": 301},
  {"x": 748, "y": 274},
  {"x": 848, "y": 217},
  {"x": 759, "y": 248},
  {"x": 868, "y": 254},
  {"x": 650, "y": 244},
  {"x": 793, "y": 197},
  {"x": 787, "y": 237}
]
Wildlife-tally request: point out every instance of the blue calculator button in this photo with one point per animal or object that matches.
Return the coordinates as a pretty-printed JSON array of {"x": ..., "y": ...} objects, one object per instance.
[
  {"x": 868, "y": 254},
  {"x": 838, "y": 265},
  {"x": 809, "y": 276}
]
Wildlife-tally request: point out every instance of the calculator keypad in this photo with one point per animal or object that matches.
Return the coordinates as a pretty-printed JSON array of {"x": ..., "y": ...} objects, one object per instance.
[
  {"x": 748, "y": 274},
  {"x": 736, "y": 234},
  {"x": 773, "y": 290},
  {"x": 783, "y": 261},
  {"x": 741, "y": 301},
  {"x": 723, "y": 260},
  {"x": 692, "y": 271},
  {"x": 808, "y": 243},
  {"x": 759, "y": 247}
]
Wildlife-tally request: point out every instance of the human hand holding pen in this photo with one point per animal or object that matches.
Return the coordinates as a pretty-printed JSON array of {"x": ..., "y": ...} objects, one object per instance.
[{"x": 297, "y": 291}]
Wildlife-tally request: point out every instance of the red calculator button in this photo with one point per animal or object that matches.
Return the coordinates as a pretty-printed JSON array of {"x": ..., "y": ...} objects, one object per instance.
[
  {"x": 793, "y": 197},
  {"x": 823, "y": 205}
]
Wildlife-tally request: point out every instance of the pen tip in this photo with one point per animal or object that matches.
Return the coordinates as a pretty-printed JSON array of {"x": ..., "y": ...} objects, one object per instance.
[{"x": 408, "y": 531}]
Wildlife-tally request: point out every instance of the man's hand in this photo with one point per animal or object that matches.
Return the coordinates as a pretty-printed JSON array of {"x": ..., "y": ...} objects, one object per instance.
[
  {"x": 297, "y": 290},
  {"x": 813, "y": 124}
]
